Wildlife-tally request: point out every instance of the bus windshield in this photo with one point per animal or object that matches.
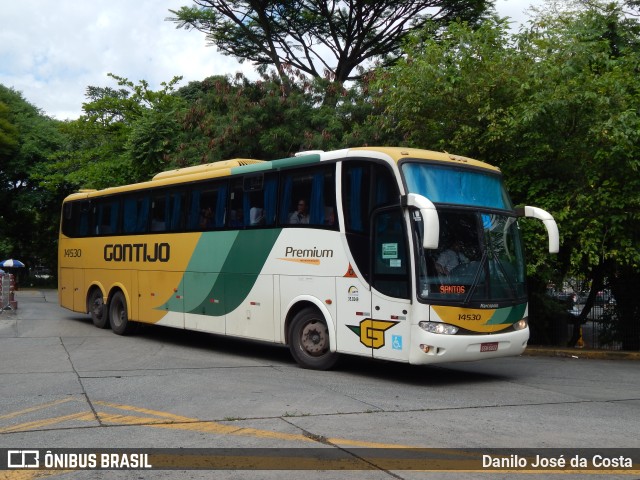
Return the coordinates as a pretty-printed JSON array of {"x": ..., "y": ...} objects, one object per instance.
[
  {"x": 452, "y": 185},
  {"x": 480, "y": 260}
]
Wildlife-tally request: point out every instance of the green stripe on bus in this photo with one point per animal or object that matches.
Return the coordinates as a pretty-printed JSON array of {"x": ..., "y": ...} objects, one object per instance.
[
  {"x": 224, "y": 269},
  {"x": 509, "y": 315},
  {"x": 275, "y": 164}
]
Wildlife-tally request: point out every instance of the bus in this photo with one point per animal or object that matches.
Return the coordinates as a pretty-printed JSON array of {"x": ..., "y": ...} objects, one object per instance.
[{"x": 391, "y": 253}]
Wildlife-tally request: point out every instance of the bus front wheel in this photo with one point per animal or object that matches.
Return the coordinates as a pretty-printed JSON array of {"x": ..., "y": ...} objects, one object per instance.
[
  {"x": 309, "y": 340},
  {"x": 97, "y": 309},
  {"x": 118, "y": 316}
]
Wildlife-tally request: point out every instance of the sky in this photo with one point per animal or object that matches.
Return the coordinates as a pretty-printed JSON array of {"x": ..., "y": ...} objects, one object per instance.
[{"x": 51, "y": 51}]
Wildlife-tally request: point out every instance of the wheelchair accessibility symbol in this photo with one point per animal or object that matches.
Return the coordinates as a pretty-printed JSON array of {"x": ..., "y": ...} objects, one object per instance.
[{"x": 396, "y": 342}]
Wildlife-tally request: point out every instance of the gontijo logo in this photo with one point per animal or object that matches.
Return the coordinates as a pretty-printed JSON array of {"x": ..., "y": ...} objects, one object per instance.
[
  {"x": 371, "y": 332},
  {"x": 137, "y": 252}
]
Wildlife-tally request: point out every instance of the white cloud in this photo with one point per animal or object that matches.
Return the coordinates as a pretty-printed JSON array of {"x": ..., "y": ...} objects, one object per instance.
[{"x": 52, "y": 51}]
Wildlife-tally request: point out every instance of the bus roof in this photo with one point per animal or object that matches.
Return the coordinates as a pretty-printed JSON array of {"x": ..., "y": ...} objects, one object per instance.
[
  {"x": 400, "y": 153},
  {"x": 247, "y": 165}
]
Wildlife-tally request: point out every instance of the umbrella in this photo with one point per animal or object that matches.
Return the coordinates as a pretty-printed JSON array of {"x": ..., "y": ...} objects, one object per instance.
[{"x": 11, "y": 263}]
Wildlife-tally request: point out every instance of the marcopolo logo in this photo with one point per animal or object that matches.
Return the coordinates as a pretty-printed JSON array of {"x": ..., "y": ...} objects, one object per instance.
[
  {"x": 137, "y": 252},
  {"x": 371, "y": 332}
]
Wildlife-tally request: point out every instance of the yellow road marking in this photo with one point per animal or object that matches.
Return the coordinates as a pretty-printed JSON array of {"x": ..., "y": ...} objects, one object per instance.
[
  {"x": 47, "y": 422},
  {"x": 29, "y": 474},
  {"x": 35, "y": 409},
  {"x": 177, "y": 418},
  {"x": 166, "y": 420}
]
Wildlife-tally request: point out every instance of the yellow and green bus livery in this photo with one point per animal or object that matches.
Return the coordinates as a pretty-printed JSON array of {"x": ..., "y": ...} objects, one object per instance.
[{"x": 393, "y": 253}]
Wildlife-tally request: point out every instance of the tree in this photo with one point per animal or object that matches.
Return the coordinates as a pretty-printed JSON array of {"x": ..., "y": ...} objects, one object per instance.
[
  {"x": 124, "y": 136},
  {"x": 556, "y": 107},
  {"x": 322, "y": 39},
  {"x": 582, "y": 102},
  {"x": 236, "y": 117},
  {"x": 28, "y": 226}
]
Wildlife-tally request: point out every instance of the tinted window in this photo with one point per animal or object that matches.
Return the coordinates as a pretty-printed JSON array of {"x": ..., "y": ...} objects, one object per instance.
[
  {"x": 365, "y": 187},
  {"x": 208, "y": 206},
  {"x": 308, "y": 197},
  {"x": 135, "y": 214},
  {"x": 106, "y": 213}
]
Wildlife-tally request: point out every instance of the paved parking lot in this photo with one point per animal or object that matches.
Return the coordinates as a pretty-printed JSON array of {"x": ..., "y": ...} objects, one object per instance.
[{"x": 66, "y": 384}]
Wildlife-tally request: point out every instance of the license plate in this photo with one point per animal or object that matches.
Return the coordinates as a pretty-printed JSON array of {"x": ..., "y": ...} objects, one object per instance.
[{"x": 489, "y": 347}]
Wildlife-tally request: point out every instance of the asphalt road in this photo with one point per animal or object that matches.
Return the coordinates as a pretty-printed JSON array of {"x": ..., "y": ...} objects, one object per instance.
[{"x": 66, "y": 384}]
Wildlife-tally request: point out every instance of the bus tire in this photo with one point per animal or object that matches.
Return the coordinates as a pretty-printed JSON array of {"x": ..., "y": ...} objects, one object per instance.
[
  {"x": 309, "y": 340},
  {"x": 97, "y": 309},
  {"x": 118, "y": 316}
]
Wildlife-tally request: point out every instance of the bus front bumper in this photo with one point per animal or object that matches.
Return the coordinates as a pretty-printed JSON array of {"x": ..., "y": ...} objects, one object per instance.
[{"x": 436, "y": 348}]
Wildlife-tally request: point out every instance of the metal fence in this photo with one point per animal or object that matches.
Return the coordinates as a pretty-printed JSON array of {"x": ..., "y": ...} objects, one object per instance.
[{"x": 601, "y": 330}]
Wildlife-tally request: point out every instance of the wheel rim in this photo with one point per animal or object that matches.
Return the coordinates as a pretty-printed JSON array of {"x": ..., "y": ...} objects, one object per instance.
[
  {"x": 314, "y": 338},
  {"x": 119, "y": 316},
  {"x": 97, "y": 308}
]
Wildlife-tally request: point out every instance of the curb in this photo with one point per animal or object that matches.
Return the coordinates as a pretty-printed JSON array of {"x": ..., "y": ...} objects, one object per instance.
[{"x": 581, "y": 353}]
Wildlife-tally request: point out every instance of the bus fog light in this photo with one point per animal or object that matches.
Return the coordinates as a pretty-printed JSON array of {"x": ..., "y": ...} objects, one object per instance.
[
  {"x": 438, "y": 327},
  {"x": 425, "y": 348},
  {"x": 521, "y": 324}
]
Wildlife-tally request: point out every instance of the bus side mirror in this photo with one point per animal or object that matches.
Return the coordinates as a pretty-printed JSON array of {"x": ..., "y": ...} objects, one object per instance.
[
  {"x": 549, "y": 223},
  {"x": 430, "y": 219}
]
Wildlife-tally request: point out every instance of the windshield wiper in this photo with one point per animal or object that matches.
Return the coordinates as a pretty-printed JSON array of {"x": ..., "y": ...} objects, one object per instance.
[
  {"x": 476, "y": 279},
  {"x": 514, "y": 294}
]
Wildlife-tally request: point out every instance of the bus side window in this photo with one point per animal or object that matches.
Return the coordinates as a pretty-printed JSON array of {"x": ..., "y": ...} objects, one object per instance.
[
  {"x": 106, "y": 217},
  {"x": 270, "y": 197},
  {"x": 307, "y": 197},
  {"x": 166, "y": 211},
  {"x": 175, "y": 211},
  {"x": 239, "y": 205},
  {"x": 159, "y": 211},
  {"x": 136, "y": 213},
  {"x": 259, "y": 197},
  {"x": 76, "y": 219},
  {"x": 365, "y": 187},
  {"x": 208, "y": 202}
]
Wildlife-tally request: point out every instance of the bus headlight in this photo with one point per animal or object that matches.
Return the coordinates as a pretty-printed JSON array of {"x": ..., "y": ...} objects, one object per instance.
[
  {"x": 438, "y": 327},
  {"x": 521, "y": 324}
]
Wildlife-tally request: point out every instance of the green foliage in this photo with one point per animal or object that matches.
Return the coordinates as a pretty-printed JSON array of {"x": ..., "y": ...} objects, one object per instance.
[
  {"x": 29, "y": 213},
  {"x": 265, "y": 119},
  {"x": 8, "y": 134},
  {"x": 451, "y": 91},
  {"x": 557, "y": 108},
  {"x": 124, "y": 136}
]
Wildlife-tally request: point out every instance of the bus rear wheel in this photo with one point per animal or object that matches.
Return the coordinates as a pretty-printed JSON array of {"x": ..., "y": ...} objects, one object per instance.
[
  {"x": 309, "y": 341},
  {"x": 118, "y": 316},
  {"x": 97, "y": 309}
]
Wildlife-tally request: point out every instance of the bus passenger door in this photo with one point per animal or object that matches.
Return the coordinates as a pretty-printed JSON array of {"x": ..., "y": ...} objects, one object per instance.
[{"x": 389, "y": 328}]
